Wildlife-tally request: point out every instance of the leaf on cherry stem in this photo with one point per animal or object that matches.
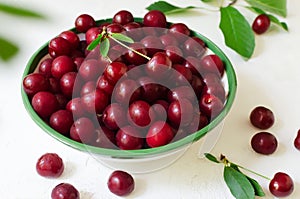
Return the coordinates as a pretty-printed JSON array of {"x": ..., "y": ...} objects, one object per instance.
[
  {"x": 276, "y": 7},
  {"x": 168, "y": 8},
  {"x": 239, "y": 185},
  {"x": 95, "y": 42},
  {"x": 104, "y": 47},
  {"x": 211, "y": 157},
  {"x": 122, "y": 37},
  {"x": 237, "y": 31}
]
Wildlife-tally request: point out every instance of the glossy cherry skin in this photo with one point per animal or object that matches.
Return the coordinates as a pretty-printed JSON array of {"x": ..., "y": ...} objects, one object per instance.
[
  {"x": 180, "y": 112},
  {"x": 67, "y": 82},
  {"x": 134, "y": 31},
  {"x": 194, "y": 46},
  {"x": 126, "y": 91},
  {"x": 75, "y": 107},
  {"x": 59, "y": 46},
  {"x": 87, "y": 88},
  {"x": 61, "y": 121},
  {"x": 114, "y": 71},
  {"x": 82, "y": 130},
  {"x": 95, "y": 102},
  {"x": 140, "y": 113},
  {"x": 175, "y": 54},
  {"x": 150, "y": 90},
  {"x": 45, "y": 67},
  {"x": 215, "y": 89},
  {"x": 62, "y": 65},
  {"x": 123, "y": 17},
  {"x": 212, "y": 64},
  {"x": 158, "y": 66},
  {"x": 104, "y": 85},
  {"x": 297, "y": 140},
  {"x": 152, "y": 44},
  {"x": 50, "y": 165},
  {"x": 160, "y": 133},
  {"x": 194, "y": 65},
  {"x": 197, "y": 85},
  {"x": 133, "y": 58},
  {"x": 71, "y": 37},
  {"x": 65, "y": 191},
  {"x": 182, "y": 76},
  {"x": 182, "y": 92},
  {"x": 264, "y": 143},
  {"x": 34, "y": 83},
  {"x": 180, "y": 31},
  {"x": 261, "y": 24},
  {"x": 262, "y": 117},
  {"x": 168, "y": 40},
  {"x": 129, "y": 138},
  {"x": 210, "y": 105},
  {"x": 281, "y": 185},
  {"x": 114, "y": 116},
  {"x": 105, "y": 138},
  {"x": 120, "y": 183},
  {"x": 90, "y": 69},
  {"x": 155, "y": 18},
  {"x": 84, "y": 22},
  {"x": 91, "y": 34},
  {"x": 44, "y": 103}
]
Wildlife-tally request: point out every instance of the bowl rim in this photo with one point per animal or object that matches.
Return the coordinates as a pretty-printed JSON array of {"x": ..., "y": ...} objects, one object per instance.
[{"x": 140, "y": 153}]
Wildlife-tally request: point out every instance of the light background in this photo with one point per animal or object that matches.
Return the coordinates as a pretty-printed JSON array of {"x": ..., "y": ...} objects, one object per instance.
[{"x": 270, "y": 78}]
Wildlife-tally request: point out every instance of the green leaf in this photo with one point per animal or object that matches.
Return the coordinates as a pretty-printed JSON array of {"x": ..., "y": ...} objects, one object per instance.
[
  {"x": 211, "y": 157},
  {"x": 104, "y": 47},
  {"x": 256, "y": 186},
  {"x": 94, "y": 43},
  {"x": 12, "y": 10},
  {"x": 239, "y": 185},
  {"x": 167, "y": 8},
  {"x": 273, "y": 6},
  {"x": 272, "y": 17},
  {"x": 276, "y": 21},
  {"x": 7, "y": 49},
  {"x": 121, "y": 37},
  {"x": 237, "y": 31}
]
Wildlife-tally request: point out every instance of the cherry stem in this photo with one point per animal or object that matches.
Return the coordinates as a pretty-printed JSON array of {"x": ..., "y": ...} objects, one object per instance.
[
  {"x": 265, "y": 177},
  {"x": 232, "y": 2},
  {"x": 141, "y": 54},
  {"x": 227, "y": 163}
]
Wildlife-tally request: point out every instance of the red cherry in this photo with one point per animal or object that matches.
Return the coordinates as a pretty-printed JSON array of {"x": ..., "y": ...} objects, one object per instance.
[
  {"x": 50, "y": 165},
  {"x": 262, "y": 117},
  {"x": 120, "y": 183},
  {"x": 160, "y": 133},
  {"x": 264, "y": 143},
  {"x": 297, "y": 140},
  {"x": 155, "y": 18},
  {"x": 281, "y": 185},
  {"x": 65, "y": 191},
  {"x": 261, "y": 24}
]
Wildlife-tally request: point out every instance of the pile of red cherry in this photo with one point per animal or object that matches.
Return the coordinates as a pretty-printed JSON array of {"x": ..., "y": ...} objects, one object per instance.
[{"x": 125, "y": 101}]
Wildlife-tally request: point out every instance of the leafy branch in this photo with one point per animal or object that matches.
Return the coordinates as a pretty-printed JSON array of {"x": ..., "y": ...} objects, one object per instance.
[
  {"x": 9, "y": 49},
  {"x": 237, "y": 31},
  {"x": 103, "y": 41},
  {"x": 240, "y": 185}
]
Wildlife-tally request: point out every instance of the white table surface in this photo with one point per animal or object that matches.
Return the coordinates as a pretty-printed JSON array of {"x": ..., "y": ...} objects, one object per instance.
[{"x": 270, "y": 78}]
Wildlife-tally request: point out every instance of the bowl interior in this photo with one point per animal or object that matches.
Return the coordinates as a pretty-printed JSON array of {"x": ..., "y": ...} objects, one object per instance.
[{"x": 230, "y": 81}]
